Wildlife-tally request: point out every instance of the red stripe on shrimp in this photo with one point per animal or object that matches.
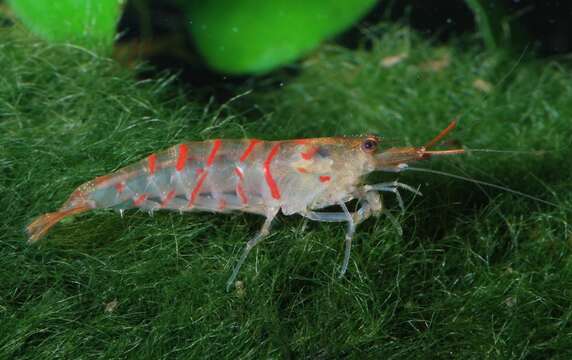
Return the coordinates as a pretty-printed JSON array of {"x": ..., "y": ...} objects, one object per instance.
[
  {"x": 242, "y": 194},
  {"x": 249, "y": 149},
  {"x": 325, "y": 178},
  {"x": 120, "y": 187},
  {"x": 221, "y": 204},
  {"x": 168, "y": 198},
  {"x": 138, "y": 201},
  {"x": 216, "y": 146},
  {"x": 152, "y": 161},
  {"x": 274, "y": 190},
  {"x": 239, "y": 188},
  {"x": 182, "y": 157},
  {"x": 240, "y": 173},
  {"x": 203, "y": 172},
  {"x": 309, "y": 154},
  {"x": 197, "y": 188}
]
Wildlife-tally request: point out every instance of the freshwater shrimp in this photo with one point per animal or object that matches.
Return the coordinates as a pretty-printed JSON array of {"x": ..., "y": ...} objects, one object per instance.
[{"x": 298, "y": 176}]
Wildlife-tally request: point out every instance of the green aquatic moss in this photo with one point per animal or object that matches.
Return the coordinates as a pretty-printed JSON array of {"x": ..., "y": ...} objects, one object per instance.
[{"x": 478, "y": 271}]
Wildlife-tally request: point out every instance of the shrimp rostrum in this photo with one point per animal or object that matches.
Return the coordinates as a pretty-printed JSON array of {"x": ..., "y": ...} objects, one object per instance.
[{"x": 262, "y": 177}]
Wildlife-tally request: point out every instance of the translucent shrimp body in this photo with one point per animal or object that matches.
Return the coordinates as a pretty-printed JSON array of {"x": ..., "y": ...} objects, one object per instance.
[{"x": 260, "y": 177}]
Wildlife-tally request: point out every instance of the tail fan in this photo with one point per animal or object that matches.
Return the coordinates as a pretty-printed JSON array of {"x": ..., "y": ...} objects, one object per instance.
[{"x": 42, "y": 224}]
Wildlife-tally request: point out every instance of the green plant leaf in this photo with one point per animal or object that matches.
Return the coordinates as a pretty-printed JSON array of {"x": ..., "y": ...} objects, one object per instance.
[
  {"x": 487, "y": 20},
  {"x": 249, "y": 36},
  {"x": 496, "y": 26},
  {"x": 90, "y": 23}
]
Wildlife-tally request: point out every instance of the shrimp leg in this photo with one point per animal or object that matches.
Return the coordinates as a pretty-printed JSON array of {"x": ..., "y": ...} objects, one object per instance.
[
  {"x": 325, "y": 216},
  {"x": 344, "y": 216},
  {"x": 371, "y": 206},
  {"x": 348, "y": 240},
  {"x": 264, "y": 231},
  {"x": 393, "y": 187}
]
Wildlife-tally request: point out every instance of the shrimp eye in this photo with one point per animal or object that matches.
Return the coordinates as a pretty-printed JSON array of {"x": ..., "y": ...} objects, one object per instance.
[{"x": 369, "y": 145}]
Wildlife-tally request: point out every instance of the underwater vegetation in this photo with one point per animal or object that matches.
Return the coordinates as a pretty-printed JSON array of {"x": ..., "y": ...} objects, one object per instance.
[{"x": 477, "y": 272}]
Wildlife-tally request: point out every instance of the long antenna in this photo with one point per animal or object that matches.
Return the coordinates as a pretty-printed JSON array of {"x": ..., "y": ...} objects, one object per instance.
[
  {"x": 480, "y": 182},
  {"x": 442, "y": 134}
]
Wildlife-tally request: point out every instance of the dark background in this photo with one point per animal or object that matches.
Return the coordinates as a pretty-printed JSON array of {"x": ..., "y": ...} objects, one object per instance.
[
  {"x": 545, "y": 26},
  {"x": 155, "y": 31}
]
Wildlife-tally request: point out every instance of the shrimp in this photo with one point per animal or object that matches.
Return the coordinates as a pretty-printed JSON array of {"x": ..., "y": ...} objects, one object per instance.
[{"x": 298, "y": 176}]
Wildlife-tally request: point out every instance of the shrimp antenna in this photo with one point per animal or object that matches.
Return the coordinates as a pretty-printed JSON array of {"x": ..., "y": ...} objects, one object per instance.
[
  {"x": 480, "y": 182},
  {"x": 438, "y": 138},
  {"x": 442, "y": 134}
]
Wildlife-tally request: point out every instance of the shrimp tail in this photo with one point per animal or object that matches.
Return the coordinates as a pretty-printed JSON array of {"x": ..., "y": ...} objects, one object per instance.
[
  {"x": 42, "y": 224},
  {"x": 77, "y": 203}
]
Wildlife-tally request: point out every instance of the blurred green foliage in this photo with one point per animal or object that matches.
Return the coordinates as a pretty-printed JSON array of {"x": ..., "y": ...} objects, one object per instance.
[
  {"x": 90, "y": 23},
  {"x": 495, "y": 26},
  {"x": 235, "y": 36},
  {"x": 250, "y": 36}
]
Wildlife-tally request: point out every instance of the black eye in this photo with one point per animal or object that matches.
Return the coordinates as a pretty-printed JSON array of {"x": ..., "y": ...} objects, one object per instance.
[{"x": 369, "y": 145}]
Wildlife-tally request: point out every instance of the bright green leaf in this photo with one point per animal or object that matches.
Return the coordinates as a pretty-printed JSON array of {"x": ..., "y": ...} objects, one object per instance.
[
  {"x": 90, "y": 23},
  {"x": 249, "y": 36}
]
